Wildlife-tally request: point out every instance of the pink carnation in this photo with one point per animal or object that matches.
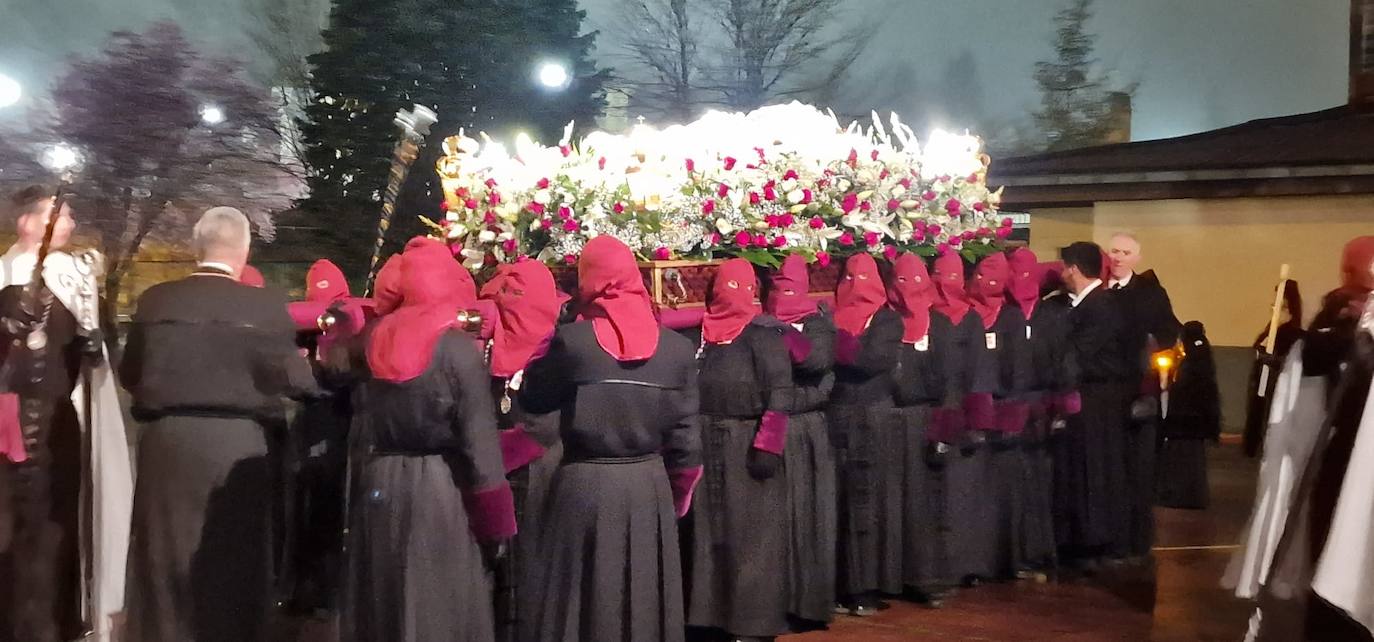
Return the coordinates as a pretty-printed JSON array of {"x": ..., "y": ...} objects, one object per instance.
[
  {"x": 571, "y": 225},
  {"x": 979, "y": 207},
  {"x": 662, "y": 254},
  {"x": 570, "y": 259},
  {"x": 564, "y": 212},
  {"x": 942, "y": 248},
  {"x": 509, "y": 245},
  {"x": 973, "y": 179},
  {"x": 934, "y": 230},
  {"x": 874, "y": 155},
  {"x": 601, "y": 163},
  {"x": 905, "y": 183},
  {"x": 542, "y": 184},
  {"x": 954, "y": 241},
  {"x": 846, "y": 239},
  {"x": 471, "y": 204},
  {"x": 1003, "y": 232},
  {"x": 618, "y": 208},
  {"x": 565, "y": 150},
  {"x": 545, "y": 223},
  {"x": 816, "y": 223},
  {"x": 691, "y": 165},
  {"x": 871, "y": 238},
  {"x": 715, "y": 238},
  {"x": 708, "y": 207},
  {"x": 953, "y": 206},
  {"x": 536, "y": 207},
  {"x": 769, "y": 192},
  {"x": 851, "y": 201},
  {"x": 754, "y": 198},
  {"x": 930, "y": 195},
  {"x": 806, "y": 196},
  {"x": 489, "y": 218},
  {"x": 890, "y": 252},
  {"x": 781, "y": 241},
  {"x": 742, "y": 238},
  {"x": 494, "y": 198},
  {"x": 918, "y": 235},
  {"x": 1006, "y": 222},
  {"x": 491, "y": 182},
  {"x": 865, "y": 206},
  {"x": 968, "y": 235},
  {"x": 790, "y": 175},
  {"x": 760, "y": 240},
  {"x": 729, "y": 163},
  {"x": 822, "y": 259},
  {"x": 723, "y": 190}
]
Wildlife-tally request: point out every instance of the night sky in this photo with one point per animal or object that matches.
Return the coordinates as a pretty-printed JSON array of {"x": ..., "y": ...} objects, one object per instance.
[{"x": 1202, "y": 64}]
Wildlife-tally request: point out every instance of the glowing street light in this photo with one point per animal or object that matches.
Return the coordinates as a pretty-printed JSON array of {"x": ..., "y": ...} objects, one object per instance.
[
  {"x": 10, "y": 91},
  {"x": 60, "y": 158},
  {"x": 553, "y": 75},
  {"x": 211, "y": 115}
]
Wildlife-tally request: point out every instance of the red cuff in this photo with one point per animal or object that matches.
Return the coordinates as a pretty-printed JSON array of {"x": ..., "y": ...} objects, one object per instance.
[
  {"x": 847, "y": 347},
  {"x": 684, "y": 483},
  {"x": 979, "y": 411},
  {"x": 946, "y": 425},
  {"x": 1012, "y": 417},
  {"x": 1069, "y": 403},
  {"x": 798, "y": 346},
  {"x": 772, "y": 434},
  {"x": 519, "y": 449},
  {"x": 683, "y": 319},
  {"x": 11, "y": 433},
  {"x": 491, "y": 513}
]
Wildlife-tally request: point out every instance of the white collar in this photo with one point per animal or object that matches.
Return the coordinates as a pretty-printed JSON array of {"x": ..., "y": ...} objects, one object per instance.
[
  {"x": 1075, "y": 299},
  {"x": 1121, "y": 282},
  {"x": 216, "y": 265}
]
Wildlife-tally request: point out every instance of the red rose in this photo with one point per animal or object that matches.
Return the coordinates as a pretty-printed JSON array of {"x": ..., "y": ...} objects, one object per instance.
[
  {"x": 973, "y": 178},
  {"x": 882, "y": 176},
  {"x": 865, "y": 206},
  {"x": 461, "y": 192},
  {"x": 443, "y": 207},
  {"x": 715, "y": 238},
  {"x": 742, "y": 238},
  {"x": 918, "y": 235},
  {"x": 905, "y": 183}
]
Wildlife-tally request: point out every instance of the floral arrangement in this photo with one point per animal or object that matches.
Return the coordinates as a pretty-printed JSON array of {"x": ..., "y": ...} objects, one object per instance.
[{"x": 780, "y": 180}]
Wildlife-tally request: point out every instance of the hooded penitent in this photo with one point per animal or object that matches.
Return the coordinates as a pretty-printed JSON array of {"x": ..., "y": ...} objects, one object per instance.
[
  {"x": 989, "y": 292},
  {"x": 1027, "y": 277},
  {"x": 325, "y": 282},
  {"x": 433, "y": 288},
  {"x": 949, "y": 283},
  {"x": 859, "y": 295},
  {"x": 731, "y": 305},
  {"x": 788, "y": 299},
  {"x": 612, "y": 295},
  {"x": 912, "y": 293},
  {"x": 528, "y": 303}
]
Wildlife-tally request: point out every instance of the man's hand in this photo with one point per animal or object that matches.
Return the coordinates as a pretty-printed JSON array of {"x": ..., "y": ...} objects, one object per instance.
[{"x": 18, "y": 322}]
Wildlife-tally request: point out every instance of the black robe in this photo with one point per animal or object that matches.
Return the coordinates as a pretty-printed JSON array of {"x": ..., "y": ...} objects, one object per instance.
[
  {"x": 1257, "y": 407},
  {"x": 423, "y": 449},
  {"x": 1148, "y": 320},
  {"x": 929, "y": 377},
  {"x": 1194, "y": 419},
  {"x": 609, "y": 569},
  {"x": 40, "y": 564},
  {"x": 810, "y": 466},
  {"x": 740, "y": 526},
  {"x": 863, "y": 432},
  {"x": 1044, "y": 362},
  {"x": 530, "y": 484},
  {"x": 984, "y": 479},
  {"x": 1089, "y": 481},
  {"x": 208, "y": 361}
]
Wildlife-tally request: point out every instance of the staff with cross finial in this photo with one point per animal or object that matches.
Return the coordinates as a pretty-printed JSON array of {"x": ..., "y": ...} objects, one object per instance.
[{"x": 414, "y": 125}]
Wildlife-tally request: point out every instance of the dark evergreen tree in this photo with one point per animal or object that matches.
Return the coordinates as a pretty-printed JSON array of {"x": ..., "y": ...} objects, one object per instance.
[
  {"x": 1075, "y": 98},
  {"x": 474, "y": 62}
]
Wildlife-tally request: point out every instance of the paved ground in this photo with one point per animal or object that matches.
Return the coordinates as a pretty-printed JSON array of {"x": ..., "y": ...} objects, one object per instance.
[
  {"x": 1193, "y": 549},
  {"x": 1179, "y": 600}
]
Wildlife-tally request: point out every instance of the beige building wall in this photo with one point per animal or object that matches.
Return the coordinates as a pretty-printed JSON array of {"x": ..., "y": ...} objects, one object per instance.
[{"x": 1220, "y": 259}]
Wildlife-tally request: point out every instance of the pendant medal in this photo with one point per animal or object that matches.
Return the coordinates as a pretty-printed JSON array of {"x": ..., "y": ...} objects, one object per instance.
[
  {"x": 505, "y": 404},
  {"x": 37, "y": 340}
]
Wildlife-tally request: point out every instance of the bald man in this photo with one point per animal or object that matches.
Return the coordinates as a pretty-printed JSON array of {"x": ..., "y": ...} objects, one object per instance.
[{"x": 1150, "y": 325}]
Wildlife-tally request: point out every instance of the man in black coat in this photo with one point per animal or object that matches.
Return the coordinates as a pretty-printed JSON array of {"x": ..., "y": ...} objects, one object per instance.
[
  {"x": 1150, "y": 325},
  {"x": 1089, "y": 478},
  {"x": 208, "y": 362}
]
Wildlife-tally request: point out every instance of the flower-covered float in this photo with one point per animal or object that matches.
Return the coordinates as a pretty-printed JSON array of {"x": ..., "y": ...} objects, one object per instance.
[{"x": 781, "y": 180}]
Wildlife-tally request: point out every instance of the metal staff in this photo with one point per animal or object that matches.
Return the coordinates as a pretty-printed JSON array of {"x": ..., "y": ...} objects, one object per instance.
[{"x": 414, "y": 127}]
